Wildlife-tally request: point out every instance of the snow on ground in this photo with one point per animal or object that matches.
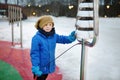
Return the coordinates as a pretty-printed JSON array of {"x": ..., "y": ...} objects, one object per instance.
[{"x": 103, "y": 61}]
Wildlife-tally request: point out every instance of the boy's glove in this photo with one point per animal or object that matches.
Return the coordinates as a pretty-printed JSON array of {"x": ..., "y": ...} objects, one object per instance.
[
  {"x": 72, "y": 37},
  {"x": 36, "y": 71}
]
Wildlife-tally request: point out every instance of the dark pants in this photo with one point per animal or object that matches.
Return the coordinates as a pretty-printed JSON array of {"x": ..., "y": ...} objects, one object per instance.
[{"x": 42, "y": 77}]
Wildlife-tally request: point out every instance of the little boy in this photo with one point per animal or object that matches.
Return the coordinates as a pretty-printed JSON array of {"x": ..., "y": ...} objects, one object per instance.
[{"x": 43, "y": 47}]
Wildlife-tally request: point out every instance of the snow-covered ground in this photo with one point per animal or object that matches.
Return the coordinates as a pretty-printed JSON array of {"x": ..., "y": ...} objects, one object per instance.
[{"x": 103, "y": 60}]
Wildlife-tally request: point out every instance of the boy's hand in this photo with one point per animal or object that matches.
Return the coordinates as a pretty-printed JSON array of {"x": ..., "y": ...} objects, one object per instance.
[
  {"x": 36, "y": 71},
  {"x": 72, "y": 36}
]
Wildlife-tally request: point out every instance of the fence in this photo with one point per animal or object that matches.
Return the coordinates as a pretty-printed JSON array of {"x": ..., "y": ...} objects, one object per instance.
[{"x": 15, "y": 15}]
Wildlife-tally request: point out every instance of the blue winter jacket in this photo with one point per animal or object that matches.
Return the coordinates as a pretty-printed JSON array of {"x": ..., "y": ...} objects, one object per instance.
[{"x": 43, "y": 51}]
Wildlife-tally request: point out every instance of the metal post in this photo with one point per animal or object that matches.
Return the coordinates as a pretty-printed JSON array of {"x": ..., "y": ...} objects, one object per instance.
[
  {"x": 21, "y": 29},
  {"x": 82, "y": 65},
  {"x": 12, "y": 23},
  {"x": 12, "y": 34}
]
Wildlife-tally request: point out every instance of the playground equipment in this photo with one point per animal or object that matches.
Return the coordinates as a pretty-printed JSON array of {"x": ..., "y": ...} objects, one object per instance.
[
  {"x": 87, "y": 28},
  {"x": 15, "y": 15}
]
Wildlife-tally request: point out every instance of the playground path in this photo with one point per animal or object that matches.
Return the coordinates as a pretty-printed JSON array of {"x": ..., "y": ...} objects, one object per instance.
[{"x": 20, "y": 59}]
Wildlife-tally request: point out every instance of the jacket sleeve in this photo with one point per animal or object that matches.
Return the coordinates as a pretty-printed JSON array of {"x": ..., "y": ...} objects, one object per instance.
[
  {"x": 62, "y": 39},
  {"x": 34, "y": 53}
]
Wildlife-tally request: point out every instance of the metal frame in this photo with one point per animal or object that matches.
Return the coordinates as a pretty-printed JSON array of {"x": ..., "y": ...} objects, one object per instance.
[{"x": 15, "y": 15}]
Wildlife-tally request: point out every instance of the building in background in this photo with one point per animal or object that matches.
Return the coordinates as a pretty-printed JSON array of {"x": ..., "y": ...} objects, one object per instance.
[
  {"x": 107, "y": 8},
  {"x": 51, "y": 7}
]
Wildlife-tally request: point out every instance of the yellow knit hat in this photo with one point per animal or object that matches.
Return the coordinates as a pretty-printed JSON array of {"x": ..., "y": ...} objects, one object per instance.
[{"x": 43, "y": 21}]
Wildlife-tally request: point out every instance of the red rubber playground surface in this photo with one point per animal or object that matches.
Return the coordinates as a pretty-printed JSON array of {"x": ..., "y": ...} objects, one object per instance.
[{"x": 20, "y": 60}]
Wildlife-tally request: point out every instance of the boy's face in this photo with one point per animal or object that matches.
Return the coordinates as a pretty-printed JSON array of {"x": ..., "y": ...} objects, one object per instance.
[{"x": 48, "y": 27}]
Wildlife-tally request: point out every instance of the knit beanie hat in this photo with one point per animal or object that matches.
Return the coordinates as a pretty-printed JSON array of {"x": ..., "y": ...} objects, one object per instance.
[{"x": 43, "y": 21}]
